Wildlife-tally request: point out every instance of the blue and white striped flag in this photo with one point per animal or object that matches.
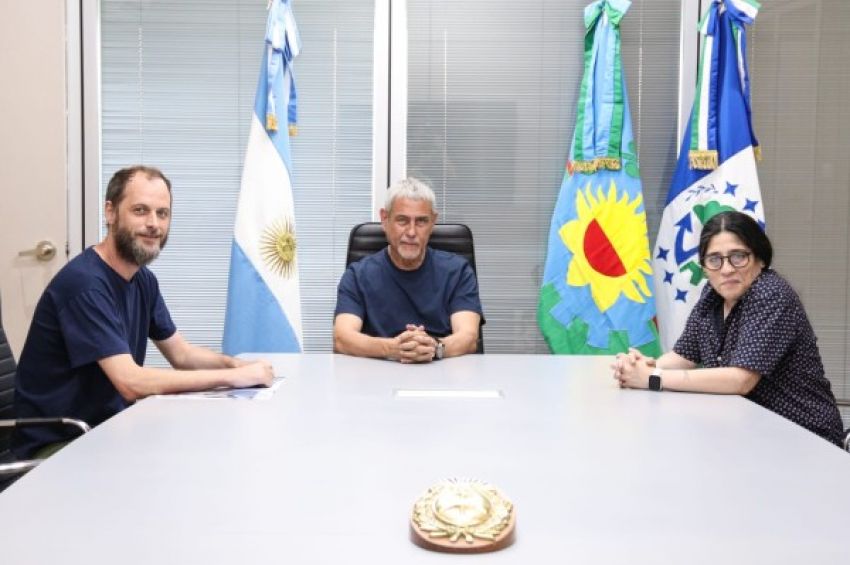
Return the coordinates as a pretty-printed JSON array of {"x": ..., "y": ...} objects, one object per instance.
[
  {"x": 716, "y": 170},
  {"x": 263, "y": 295}
]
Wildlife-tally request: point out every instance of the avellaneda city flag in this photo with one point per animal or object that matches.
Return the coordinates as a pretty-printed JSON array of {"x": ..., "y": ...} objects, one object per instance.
[
  {"x": 263, "y": 296},
  {"x": 596, "y": 295},
  {"x": 716, "y": 170}
]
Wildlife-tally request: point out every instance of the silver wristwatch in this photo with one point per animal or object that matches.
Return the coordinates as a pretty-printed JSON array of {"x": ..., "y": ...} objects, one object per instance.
[{"x": 439, "y": 350}]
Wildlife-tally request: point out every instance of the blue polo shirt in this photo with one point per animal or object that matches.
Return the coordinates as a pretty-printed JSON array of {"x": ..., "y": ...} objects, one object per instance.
[
  {"x": 387, "y": 298},
  {"x": 87, "y": 312}
]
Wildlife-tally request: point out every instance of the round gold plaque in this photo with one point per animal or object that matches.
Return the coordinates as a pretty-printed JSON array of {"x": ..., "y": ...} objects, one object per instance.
[{"x": 462, "y": 515}]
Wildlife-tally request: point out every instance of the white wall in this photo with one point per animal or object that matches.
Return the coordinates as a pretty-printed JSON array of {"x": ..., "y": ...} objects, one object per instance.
[{"x": 33, "y": 152}]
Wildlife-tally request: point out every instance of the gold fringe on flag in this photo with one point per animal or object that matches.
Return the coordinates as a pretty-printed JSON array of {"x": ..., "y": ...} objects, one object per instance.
[
  {"x": 293, "y": 130},
  {"x": 703, "y": 160},
  {"x": 588, "y": 167},
  {"x": 585, "y": 167},
  {"x": 271, "y": 122},
  {"x": 757, "y": 152},
  {"x": 610, "y": 163}
]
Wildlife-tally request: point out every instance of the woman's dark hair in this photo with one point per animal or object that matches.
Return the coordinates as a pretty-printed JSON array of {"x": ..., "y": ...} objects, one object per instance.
[{"x": 743, "y": 226}]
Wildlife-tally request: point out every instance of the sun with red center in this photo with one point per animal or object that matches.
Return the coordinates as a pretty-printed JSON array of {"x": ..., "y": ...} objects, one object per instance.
[{"x": 610, "y": 246}]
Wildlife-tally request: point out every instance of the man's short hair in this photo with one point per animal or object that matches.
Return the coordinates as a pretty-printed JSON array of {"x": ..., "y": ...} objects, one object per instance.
[
  {"x": 118, "y": 182},
  {"x": 412, "y": 189}
]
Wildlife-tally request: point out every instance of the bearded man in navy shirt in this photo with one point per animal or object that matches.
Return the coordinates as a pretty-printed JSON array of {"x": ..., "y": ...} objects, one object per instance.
[
  {"x": 408, "y": 302},
  {"x": 84, "y": 354}
]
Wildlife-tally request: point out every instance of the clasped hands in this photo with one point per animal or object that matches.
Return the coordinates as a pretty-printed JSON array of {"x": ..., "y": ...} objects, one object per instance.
[
  {"x": 632, "y": 369},
  {"x": 415, "y": 345}
]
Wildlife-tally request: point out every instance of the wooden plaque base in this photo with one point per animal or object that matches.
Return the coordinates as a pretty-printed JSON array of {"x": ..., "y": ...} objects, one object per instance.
[
  {"x": 503, "y": 540},
  {"x": 462, "y": 516}
]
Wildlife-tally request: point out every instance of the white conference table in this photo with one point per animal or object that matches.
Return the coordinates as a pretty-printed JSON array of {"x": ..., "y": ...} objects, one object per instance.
[{"x": 327, "y": 470}]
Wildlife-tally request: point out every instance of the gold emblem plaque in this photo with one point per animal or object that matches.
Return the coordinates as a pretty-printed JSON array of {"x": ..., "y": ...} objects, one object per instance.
[{"x": 462, "y": 516}]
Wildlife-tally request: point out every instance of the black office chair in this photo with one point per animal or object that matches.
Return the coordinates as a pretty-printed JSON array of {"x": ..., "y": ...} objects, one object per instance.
[
  {"x": 368, "y": 238},
  {"x": 11, "y": 468}
]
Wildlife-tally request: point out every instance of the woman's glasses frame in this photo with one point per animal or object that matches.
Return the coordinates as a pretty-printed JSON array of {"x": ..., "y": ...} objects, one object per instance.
[{"x": 738, "y": 260}]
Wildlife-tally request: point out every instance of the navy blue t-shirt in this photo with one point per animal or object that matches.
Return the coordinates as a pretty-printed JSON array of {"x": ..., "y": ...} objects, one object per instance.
[
  {"x": 387, "y": 298},
  {"x": 88, "y": 312}
]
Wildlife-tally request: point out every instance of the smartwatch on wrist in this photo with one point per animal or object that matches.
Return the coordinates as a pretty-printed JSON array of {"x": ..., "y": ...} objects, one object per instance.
[
  {"x": 655, "y": 380},
  {"x": 439, "y": 350}
]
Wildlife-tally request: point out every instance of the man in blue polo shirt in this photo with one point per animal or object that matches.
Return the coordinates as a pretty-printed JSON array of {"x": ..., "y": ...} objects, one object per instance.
[
  {"x": 84, "y": 353},
  {"x": 408, "y": 302}
]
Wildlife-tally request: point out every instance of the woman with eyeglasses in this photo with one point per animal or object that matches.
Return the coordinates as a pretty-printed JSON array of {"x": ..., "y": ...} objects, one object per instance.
[{"x": 748, "y": 334}]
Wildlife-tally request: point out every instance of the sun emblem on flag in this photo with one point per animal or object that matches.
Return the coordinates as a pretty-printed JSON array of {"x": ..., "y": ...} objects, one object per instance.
[
  {"x": 610, "y": 246},
  {"x": 278, "y": 246}
]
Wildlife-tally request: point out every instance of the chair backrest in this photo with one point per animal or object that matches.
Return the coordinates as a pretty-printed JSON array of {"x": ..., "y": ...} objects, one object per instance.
[
  {"x": 7, "y": 385},
  {"x": 368, "y": 238}
]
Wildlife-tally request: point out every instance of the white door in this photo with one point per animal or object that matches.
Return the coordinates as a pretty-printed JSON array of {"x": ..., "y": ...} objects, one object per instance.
[{"x": 33, "y": 157}]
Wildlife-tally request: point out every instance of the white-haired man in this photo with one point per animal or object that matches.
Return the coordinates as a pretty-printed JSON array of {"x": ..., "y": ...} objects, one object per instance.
[{"x": 408, "y": 302}]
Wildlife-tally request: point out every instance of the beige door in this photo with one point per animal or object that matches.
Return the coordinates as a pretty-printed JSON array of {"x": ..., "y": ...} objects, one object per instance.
[{"x": 33, "y": 154}]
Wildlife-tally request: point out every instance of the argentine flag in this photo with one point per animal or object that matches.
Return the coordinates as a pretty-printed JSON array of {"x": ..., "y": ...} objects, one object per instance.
[
  {"x": 716, "y": 170},
  {"x": 263, "y": 295}
]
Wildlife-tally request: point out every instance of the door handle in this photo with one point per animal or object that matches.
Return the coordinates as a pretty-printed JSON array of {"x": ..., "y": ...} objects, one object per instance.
[{"x": 43, "y": 251}]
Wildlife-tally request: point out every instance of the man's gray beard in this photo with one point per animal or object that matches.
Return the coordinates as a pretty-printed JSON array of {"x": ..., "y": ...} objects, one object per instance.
[{"x": 132, "y": 252}]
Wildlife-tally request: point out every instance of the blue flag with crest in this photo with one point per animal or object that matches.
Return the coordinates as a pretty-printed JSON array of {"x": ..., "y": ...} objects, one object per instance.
[{"x": 716, "y": 170}]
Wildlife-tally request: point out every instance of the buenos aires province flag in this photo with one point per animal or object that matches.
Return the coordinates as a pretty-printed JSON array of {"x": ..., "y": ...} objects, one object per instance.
[
  {"x": 716, "y": 170},
  {"x": 263, "y": 295},
  {"x": 596, "y": 294}
]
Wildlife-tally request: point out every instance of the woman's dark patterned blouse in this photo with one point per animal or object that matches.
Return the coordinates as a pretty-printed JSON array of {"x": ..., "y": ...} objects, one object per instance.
[{"x": 768, "y": 333}]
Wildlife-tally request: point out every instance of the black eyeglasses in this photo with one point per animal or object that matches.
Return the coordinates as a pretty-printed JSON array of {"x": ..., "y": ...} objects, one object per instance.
[{"x": 737, "y": 259}]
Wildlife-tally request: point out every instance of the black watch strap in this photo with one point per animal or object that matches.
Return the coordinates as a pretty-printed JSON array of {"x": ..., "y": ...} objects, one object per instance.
[{"x": 655, "y": 380}]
